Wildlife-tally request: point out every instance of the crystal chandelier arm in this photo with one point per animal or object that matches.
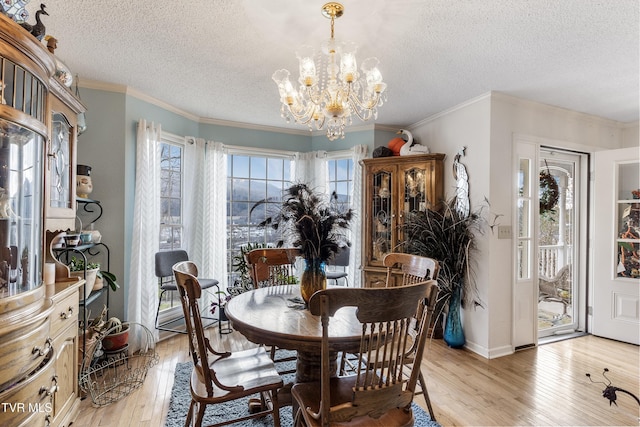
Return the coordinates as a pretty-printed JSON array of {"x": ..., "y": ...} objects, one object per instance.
[{"x": 370, "y": 106}]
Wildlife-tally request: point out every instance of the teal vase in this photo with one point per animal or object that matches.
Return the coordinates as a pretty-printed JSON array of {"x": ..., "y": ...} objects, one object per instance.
[
  {"x": 314, "y": 278},
  {"x": 453, "y": 333}
]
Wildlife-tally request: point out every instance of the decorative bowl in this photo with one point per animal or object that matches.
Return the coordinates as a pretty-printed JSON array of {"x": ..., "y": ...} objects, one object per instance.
[
  {"x": 117, "y": 341},
  {"x": 71, "y": 240}
]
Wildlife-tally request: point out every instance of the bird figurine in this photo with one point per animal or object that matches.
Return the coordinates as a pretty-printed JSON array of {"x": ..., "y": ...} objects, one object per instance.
[
  {"x": 37, "y": 30},
  {"x": 410, "y": 147}
]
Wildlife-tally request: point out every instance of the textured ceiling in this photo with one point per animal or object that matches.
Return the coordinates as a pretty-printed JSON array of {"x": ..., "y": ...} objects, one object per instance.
[{"x": 214, "y": 59}]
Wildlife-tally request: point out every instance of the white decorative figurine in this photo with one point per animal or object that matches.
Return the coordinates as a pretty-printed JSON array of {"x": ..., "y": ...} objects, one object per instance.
[{"x": 410, "y": 147}]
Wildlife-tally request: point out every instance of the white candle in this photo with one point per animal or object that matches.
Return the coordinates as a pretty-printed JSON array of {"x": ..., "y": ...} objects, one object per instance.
[{"x": 49, "y": 273}]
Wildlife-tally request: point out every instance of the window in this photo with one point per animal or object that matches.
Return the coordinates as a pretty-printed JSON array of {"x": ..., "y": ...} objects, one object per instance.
[
  {"x": 340, "y": 177},
  {"x": 171, "y": 168},
  {"x": 251, "y": 178},
  {"x": 170, "y": 196}
]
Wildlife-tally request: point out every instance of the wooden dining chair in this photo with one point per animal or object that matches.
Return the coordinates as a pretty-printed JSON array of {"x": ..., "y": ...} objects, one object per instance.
[
  {"x": 274, "y": 267},
  {"x": 377, "y": 394},
  {"x": 415, "y": 269},
  {"x": 219, "y": 377}
]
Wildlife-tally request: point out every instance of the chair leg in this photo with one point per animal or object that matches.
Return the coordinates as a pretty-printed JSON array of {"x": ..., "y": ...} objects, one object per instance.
[
  {"x": 342, "y": 363},
  {"x": 298, "y": 419},
  {"x": 426, "y": 396},
  {"x": 275, "y": 405},
  {"x": 158, "y": 309},
  {"x": 187, "y": 422},
  {"x": 161, "y": 327},
  {"x": 201, "y": 408}
]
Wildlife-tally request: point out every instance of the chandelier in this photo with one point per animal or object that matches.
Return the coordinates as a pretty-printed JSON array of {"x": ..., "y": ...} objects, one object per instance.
[{"x": 340, "y": 91}]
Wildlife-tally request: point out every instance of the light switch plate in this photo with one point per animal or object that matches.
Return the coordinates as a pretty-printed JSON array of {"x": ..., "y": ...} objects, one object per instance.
[{"x": 504, "y": 232}]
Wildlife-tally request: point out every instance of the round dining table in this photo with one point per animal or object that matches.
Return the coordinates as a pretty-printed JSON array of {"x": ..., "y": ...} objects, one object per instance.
[{"x": 277, "y": 316}]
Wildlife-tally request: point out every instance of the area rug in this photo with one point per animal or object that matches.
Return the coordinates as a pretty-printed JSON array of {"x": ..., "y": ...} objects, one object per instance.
[{"x": 181, "y": 398}]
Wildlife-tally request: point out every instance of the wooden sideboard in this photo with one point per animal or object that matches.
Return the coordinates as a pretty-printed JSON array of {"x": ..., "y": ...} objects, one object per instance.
[{"x": 38, "y": 323}]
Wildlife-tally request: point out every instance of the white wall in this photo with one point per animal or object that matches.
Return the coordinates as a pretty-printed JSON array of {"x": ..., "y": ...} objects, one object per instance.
[
  {"x": 486, "y": 126},
  {"x": 630, "y": 135},
  {"x": 467, "y": 125}
]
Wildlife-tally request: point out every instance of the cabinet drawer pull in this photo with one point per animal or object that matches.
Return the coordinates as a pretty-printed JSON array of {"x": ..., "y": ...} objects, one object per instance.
[
  {"x": 67, "y": 315},
  {"x": 49, "y": 391},
  {"x": 43, "y": 351}
]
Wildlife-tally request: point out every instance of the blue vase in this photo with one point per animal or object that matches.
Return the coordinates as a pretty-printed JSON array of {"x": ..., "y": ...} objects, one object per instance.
[
  {"x": 313, "y": 278},
  {"x": 453, "y": 333}
]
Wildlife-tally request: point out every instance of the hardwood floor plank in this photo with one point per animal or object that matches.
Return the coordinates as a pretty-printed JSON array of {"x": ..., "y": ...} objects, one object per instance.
[{"x": 545, "y": 385}]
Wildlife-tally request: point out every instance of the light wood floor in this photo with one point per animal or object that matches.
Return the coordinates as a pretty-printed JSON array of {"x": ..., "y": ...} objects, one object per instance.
[{"x": 546, "y": 385}]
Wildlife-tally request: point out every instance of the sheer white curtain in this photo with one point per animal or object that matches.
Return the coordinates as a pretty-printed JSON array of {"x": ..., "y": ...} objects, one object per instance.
[
  {"x": 143, "y": 294},
  {"x": 358, "y": 153},
  {"x": 311, "y": 168},
  {"x": 205, "y": 205}
]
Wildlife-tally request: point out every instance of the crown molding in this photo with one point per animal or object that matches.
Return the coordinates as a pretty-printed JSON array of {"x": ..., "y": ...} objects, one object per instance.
[
  {"x": 577, "y": 115},
  {"x": 528, "y": 104},
  {"x": 448, "y": 111},
  {"x": 251, "y": 126},
  {"x": 129, "y": 91}
]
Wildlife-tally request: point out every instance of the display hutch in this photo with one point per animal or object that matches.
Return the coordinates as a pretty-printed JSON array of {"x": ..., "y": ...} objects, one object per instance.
[
  {"x": 38, "y": 323},
  {"x": 393, "y": 186}
]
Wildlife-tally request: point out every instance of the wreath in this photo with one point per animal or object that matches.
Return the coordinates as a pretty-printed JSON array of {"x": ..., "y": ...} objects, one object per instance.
[{"x": 549, "y": 192}]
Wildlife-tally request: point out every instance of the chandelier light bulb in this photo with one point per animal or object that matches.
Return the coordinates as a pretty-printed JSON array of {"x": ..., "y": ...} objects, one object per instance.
[{"x": 342, "y": 93}]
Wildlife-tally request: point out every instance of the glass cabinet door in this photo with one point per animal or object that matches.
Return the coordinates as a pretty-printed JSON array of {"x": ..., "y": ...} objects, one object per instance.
[
  {"x": 20, "y": 209},
  {"x": 382, "y": 215},
  {"x": 60, "y": 164},
  {"x": 628, "y": 224},
  {"x": 413, "y": 194}
]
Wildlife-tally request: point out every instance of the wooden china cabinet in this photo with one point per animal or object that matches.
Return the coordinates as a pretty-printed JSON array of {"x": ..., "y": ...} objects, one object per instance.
[
  {"x": 38, "y": 323},
  {"x": 392, "y": 187}
]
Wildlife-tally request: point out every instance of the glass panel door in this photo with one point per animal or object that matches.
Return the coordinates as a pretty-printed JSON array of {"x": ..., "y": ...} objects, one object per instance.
[
  {"x": 558, "y": 238},
  {"x": 381, "y": 215},
  {"x": 628, "y": 236}
]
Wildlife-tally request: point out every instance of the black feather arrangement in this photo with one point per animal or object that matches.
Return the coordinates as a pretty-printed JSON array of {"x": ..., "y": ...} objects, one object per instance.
[{"x": 310, "y": 221}]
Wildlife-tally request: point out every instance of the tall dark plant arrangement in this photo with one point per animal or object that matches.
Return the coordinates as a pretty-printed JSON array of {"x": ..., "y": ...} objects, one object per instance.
[
  {"x": 311, "y": 221},
  {"x": 451, "y": 238}
]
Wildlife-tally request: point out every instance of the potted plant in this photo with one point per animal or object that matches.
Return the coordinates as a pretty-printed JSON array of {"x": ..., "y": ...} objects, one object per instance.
[
  {"x": 112, "y": 332},
  {"x": 89, "y": 272},
  {"x": 449, "y": 236},
  {"x": 219, "y": 305},
  {"x": 239, "y": 264},
  {"x": 116, "y": 334},
  {"x": 315, "y": 224},
  {"x": 95, "y": 277}
]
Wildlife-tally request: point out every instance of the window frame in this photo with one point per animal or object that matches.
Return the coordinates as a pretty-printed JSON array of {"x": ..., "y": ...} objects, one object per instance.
[
  {"x": 174, "y": 310},
  {"x": 250, "y": 152}
]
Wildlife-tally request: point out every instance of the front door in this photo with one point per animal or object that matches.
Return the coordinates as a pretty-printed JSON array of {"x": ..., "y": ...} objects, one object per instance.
[
  {"x": 561, "y": 233},
  {"x": 616, "y": 249}
]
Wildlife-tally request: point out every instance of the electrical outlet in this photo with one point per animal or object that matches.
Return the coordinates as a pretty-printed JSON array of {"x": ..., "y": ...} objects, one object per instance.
[{"x": 504, "y": 232}]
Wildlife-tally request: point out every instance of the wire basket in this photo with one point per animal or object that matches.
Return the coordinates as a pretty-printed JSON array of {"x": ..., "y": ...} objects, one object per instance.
[{"x": 114, "y": 374}]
